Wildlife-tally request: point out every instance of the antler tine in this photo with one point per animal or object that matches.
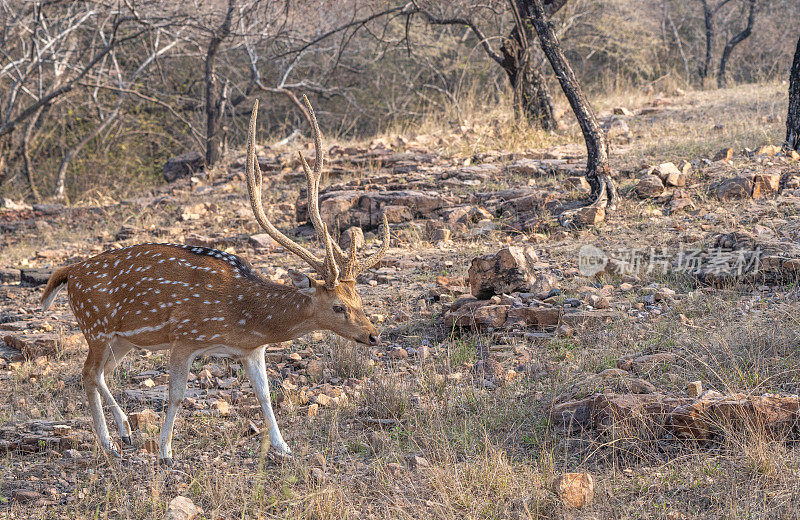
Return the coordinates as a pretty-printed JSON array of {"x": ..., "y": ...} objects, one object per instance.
[
  {"x": 373, "y": 259},
  {"x": 332, "y": 272},
  {"x": 254, "y": 179},
  {"x": 313, "y": 178}
]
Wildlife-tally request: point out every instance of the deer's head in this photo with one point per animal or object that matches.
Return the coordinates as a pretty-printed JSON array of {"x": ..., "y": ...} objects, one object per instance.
[{"x": 335, "y": 304}]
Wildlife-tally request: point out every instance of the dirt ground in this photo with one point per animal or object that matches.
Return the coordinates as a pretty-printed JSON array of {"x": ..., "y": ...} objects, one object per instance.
[{"x": 448, "y": 419}]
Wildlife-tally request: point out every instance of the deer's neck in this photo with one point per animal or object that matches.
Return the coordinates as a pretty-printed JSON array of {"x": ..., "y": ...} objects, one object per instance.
[{"x": 273, "y": 313}]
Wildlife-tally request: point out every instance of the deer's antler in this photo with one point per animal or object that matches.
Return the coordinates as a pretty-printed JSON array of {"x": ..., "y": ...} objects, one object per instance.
[{"x": 337, "y": 265}]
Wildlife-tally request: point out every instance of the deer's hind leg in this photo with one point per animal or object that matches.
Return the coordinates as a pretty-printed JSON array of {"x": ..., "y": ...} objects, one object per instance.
[
  {"x": 92, "y": 376},
  {"x": 116, "y": 350}
]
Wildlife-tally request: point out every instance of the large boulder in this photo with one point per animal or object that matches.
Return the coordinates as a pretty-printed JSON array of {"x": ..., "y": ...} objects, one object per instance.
[
  {"x": 183, "y": 165},
  {"x": 509, "y": 270}
]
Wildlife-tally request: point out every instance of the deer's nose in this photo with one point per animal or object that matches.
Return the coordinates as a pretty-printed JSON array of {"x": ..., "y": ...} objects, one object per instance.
[{"x": 374, "y": 339}]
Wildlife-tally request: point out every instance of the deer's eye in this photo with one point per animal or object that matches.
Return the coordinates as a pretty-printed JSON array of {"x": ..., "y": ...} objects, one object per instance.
[{"x": 338, "y": 309}]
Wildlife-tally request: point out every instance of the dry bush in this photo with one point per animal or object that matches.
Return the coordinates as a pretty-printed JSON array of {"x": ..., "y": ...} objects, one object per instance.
[
  {"x": 348, "y": 359},
  {"x": 385, "y": 397}
]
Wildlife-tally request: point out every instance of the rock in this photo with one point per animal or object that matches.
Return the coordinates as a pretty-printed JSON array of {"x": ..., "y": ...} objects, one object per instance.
[
  {"x": 528, "y": 167},
  {"x": 622, "y": 111},
  {"x": 477, "y": 316},
  {"x": 146, "y": 420},
  {"x": 670, "y": 175},
  {"x": 194, "y": 211},
  {"x": 352, "y": 235},
  {"x": 541, "y": 317},
  {"x": 396, "y": 214},
  {"x": 182, "y": 508},
  {"x": 323, "y": 400},
  {"x": 616, "y": 129},
  {"x": 577, "y": 183},
  {"x": 769, "y": 150},
  {"x": 398, "y": 353},
  {"x": 766, "y": 185},
  {"x": 625, "y": 287},
  {"x": 415, "y": 461},
  {"x": 223, "y": 408},
  {"x": 694, "y": 389},
  {"x": 25, "y": 496},
  {"x": 423, "y": 352},
  {"x": 262, "y": 242},
  {"x": 591, "y": 215},
  {"x": 9, "y": 275},
  {"x": 315, "y": 369},
  {"x": 440, "y": 235},
  {"x": 183, "y": 165},
  {"x": 725, "y": 154},
  {"x": 16, "y": 206},
  {"x": 489, "y": 368},
  {"x": 736, "y": 188},
  {"x": 33, "y": 277},
  {"x": 509, "y": 270},
  {"x": 647, "y": 362},
  {"x": 575, "y": 490},
  {"x": 649, "y": 186},
  {"x": 599, "y": 302},
  {"x": 313, "y": 410},
  {"x": 35, "y": 345}
]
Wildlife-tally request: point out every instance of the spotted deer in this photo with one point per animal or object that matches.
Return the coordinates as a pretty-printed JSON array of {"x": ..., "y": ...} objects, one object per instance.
[{"x": 195, "y": 300}]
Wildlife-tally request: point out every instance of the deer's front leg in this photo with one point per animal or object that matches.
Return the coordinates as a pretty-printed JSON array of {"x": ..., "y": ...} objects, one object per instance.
[
  {"x": 179, "y": 360},
  {"x": 256, "y": 371}
]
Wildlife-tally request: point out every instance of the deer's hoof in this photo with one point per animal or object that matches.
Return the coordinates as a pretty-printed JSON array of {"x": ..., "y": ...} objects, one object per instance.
[
  {"x": 167, "y": 461},
  {"x": 126, "y": 439}
]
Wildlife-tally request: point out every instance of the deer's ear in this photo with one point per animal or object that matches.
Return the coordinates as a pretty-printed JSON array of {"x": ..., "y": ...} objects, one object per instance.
[{"x": 302, "y": 281}]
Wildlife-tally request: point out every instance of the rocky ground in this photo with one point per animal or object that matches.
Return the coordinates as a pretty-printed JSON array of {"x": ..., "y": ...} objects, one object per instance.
[{"x": 537, "y": 362}]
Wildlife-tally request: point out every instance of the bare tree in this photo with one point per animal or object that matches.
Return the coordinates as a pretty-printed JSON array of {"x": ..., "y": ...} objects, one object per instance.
[
  {"x": 736, "y": 40},
  {"x": 531, "y": 97},
  {"x": 598, "y": 168},
  {"x": 793, "y": 116},
  {"x": 215, "y": 94},
  {"x": 709, "y": 14}
]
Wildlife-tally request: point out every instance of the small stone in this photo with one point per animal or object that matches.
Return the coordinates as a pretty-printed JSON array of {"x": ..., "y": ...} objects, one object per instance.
[
  {"x": 415, "y": 461},
  {"x": 182, "y": 508},
  {"x": 649, "y": 186},
  {"x": 61, "y": 430},
  {"x": 766, "y": 184},
  {"x": 323, "y": 400},
  {"x": 694, "y": 389},
  {"x": 440, "y": 235},
  {"x": 146, "y": 420},
  {"x": 318, "y": 475},
  {"x": 575, "y": 489},
  {"x": 25, "y": 496},
  {"x": 352, "y": 235},
  {"x": 625, "y": 287},
  {"x": 223, "y": 408},
  {"x": 262, "y": 242},
  {"x": 315, "y": 370},
  {"x": 398, "y": 353},
  {"x": 423, "y": 352},
  {"x": 622, "y": 111},
  {"x": 599, "y": 302},
  {"x": 736, "y": 188},
  {"x": 725, "y": 154},
  {"x": 591, "y": 215},
  {"x": 148, "y": 383}
]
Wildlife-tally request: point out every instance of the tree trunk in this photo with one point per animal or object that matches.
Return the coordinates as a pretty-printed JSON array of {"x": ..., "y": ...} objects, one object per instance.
[
  {"x": 532, "y": 100},
  {"x": 793, "y": 117},
  {"x": 214, "y": 94},
  {"x": 598, "y": 169},
  {"x": 733, "y": 42},
  {"x": 708, "y": 17}
]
